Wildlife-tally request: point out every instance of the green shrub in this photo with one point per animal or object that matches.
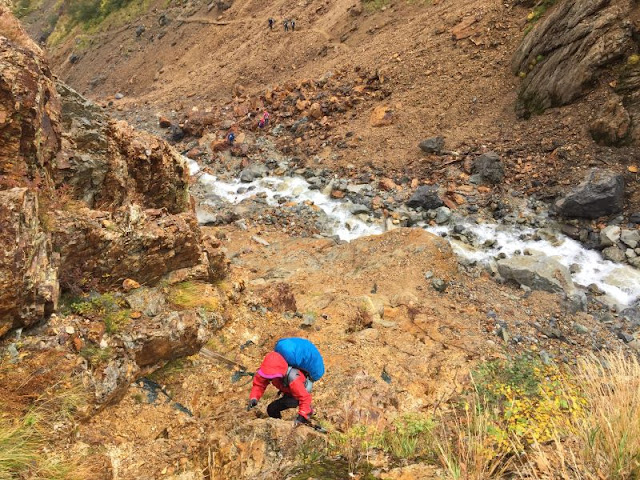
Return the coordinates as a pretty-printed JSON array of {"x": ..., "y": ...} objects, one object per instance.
[
  {"x": 93, "y": 11},
  {"x": 84, "y": 11},
  {"x": 528, "y": 402}
]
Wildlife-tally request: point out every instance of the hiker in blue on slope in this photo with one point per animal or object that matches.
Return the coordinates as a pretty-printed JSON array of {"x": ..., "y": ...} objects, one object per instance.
[{"x": 292, "y": 368}]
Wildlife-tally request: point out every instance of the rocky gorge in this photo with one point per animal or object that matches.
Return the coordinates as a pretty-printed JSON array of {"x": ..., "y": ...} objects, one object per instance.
[{"x": 147, "y": 270}]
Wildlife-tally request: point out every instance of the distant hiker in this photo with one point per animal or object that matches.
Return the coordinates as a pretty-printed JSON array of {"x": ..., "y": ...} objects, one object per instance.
[
  {"x": 286, "y": 25},
  {"x": 271, "y": 22},
  {"x": 231, "y": 138},
  {"x": 261, "y": 123},
  {"x": 292, "y": 368},
  {"x": 293, "y": 25},
  {"x": 265, "y": 117}
]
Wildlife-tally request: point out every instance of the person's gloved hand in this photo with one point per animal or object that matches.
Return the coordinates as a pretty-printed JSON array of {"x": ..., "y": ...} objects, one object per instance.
[
  {"x": 300, "y": 420},
  {"x": 252, "y": 403}
]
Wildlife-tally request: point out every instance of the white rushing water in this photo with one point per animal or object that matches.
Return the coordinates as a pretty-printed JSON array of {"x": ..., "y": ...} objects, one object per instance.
[
  {"x": 620, "y": 282},
  {"x": 345, "y": 225}
]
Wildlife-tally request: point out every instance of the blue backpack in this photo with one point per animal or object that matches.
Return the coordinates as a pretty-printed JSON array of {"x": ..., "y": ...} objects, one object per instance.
[{"x": 302, "y": 354}]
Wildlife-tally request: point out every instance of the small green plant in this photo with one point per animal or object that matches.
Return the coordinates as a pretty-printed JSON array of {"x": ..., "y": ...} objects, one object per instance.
[
  {"x": 539, "y": 10},
  {"x": 190, "y": 295},
  {"x": 375, "y": 5},
  {"x": 23, "y": 440},
  {"x": 633, "y": 59},
  {"x": 312, "y": 451},
  {"x": 107, "y": 307},
  {"x": 22, "y": 8},
  {"x": 96, "y": 355},
  {"x": 466, "y": 448},
  {"x": 18, "y": 448},
  {"x": 409, "y": 438},
  {"x": 115, "y": 321}
]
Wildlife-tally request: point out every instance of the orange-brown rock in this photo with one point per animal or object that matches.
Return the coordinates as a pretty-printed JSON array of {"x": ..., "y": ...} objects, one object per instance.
[
  {"x": 28, "y": 268},
  {"x": 315, "y": 111},
  {"x": 116, "y": 201},
  {"x": 29, "y": 110},
  {"x": 109, "y": 247},
  {"x": 219, "y": 145},
  {"x": 130, "y": 284},
  {"x": 381, "y": 116},
  {"x": 197, "y": 122},
  {"x": 302, "y": 105},
  {"x": 387, "y": 184}
]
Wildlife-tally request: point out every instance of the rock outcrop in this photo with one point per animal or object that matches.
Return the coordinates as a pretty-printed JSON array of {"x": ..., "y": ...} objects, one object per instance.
[
  {"x": 613, "y": 125},
  {"x": 28, "y": 268},
  {"x": 164, "y": 337},
  {"x": 113, "y": 203},
  {"x": 109, "y": 164},
  {"x": 108, "y": 247},
  {"x": 562, "y": 56},
  {"x": 29, "y": 116},
  {"x": 628, "y": 87}
]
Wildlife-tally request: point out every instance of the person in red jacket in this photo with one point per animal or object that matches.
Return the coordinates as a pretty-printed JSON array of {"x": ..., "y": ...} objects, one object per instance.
[{"x": 290, "y": 381}]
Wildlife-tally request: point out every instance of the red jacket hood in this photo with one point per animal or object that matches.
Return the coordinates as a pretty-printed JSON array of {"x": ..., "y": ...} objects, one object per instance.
[{"x": 273, "y": 366}]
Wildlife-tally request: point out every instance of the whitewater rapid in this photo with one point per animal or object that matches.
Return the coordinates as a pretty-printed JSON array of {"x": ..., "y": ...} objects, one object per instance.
[{"x": 620, "y": 282}]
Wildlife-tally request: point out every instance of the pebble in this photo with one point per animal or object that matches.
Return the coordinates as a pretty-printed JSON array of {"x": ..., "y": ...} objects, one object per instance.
[
  {"x": 439, "y": 285},
  {"x": 580, "y": 328},
  {"x": 308, "y": 320},
  {"x": 545, "y": 357}
]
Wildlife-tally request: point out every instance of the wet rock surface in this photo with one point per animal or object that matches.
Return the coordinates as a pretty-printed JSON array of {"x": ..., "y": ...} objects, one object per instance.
[{"x": 536, "y": 272}]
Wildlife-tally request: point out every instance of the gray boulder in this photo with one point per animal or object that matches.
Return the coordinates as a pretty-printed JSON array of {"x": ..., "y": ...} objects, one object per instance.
[
  {"x": 443, "y": 215},
  {"x": 537, "y": 272},
  {"x": 489, "y": 168},
  {"x": 432, "y": 145},
  {"x": 631, "y": 238},
  {"x": 609, "y": 235},
  {"x": 614, "y": 254},
  {"x": 602, "y": 193},
  {"x": 256, "y": 170},
  {"x": 425, "y": 196},
  {"x": 149, "y": 301}
]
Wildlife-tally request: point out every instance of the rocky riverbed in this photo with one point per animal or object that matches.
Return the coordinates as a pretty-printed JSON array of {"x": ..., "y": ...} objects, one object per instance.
[{"x": 498, "y": 237}]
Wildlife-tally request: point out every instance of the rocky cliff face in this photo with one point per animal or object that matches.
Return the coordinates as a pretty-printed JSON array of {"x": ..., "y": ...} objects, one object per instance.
[
  {"x": 85, "y": 200},
  {"x": 561, "y": 57},
  {"x": 28, "y": 268}
]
